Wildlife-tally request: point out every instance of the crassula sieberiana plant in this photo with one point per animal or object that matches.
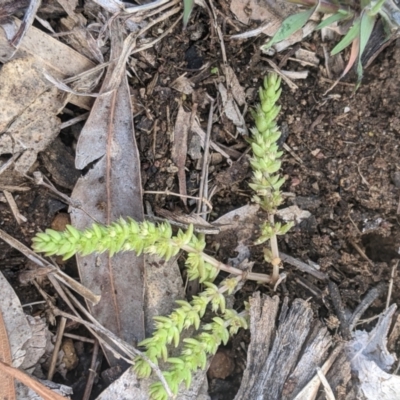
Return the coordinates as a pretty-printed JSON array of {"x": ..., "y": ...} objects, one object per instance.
[{"x": 147, "y": 237}]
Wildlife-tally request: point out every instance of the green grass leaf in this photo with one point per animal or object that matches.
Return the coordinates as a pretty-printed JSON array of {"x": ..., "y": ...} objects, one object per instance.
[
  {"x": 187, "y": 10},
  {"x": 290, "y": 25},
  {"x": 339, "y": 16},
  {"x": 353, "y": 32},
  {"x": 367, "y": 26}
]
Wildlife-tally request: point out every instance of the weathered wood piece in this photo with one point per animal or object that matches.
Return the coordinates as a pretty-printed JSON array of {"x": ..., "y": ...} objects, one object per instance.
[
  {"x": 271, "y": 368},
  {"x": 288, "y": 353}
]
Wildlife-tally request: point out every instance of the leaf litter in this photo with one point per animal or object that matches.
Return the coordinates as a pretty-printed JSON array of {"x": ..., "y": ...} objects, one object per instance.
[{"x": 108, "y": 157}]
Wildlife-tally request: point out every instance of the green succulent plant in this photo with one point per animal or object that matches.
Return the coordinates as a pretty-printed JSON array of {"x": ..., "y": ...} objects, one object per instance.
[{"x": 147, "y": 237}]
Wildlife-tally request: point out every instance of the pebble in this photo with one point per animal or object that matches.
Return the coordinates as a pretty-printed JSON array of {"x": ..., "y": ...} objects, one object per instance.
[{"x": 222, "y": 365}]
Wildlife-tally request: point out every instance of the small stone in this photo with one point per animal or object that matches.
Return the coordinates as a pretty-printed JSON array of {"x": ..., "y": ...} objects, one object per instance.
[
  {"x": 396, "y": 178},
  {"x": 221, "y": 366},
  {"x": 70, "y": 358},
  {"x": 60, "y": 221}
]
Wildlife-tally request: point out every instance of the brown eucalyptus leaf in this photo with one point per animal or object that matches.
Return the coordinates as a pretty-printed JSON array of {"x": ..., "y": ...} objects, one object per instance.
[
  {"x": 179, "y": 148},
  {"x": 110, "y": 190}
]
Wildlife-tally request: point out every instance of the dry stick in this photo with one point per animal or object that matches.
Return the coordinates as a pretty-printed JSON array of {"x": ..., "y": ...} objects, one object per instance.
[
  {"x": 126, "y": 347},
  {"x": 328, "y": 390},
  {"x": 35, "y": 303},
  {"x": 162, "y": 8},
  {"x": 204, "y": 169},
  {"x": 228, "y": 268},
  {"x": 92, "y": 371},
  {"x": 145, "y": 7},
  {"x": 74, "y": 121},
  {"x": 212, "y": 230},
  {"x": 337, "y": 303},
  {"x": 368, "y": 299},
  {"x": 394, "y": 268},
  {"x": 15, "y": 188},
  {"x": 9, "y": 162},
  {"x": 151, "y": 44},
  {"x": 276, "y": 261},
  {"x": 36, "y": 386},
  {"x": 26, "y": 23},
  {"x": 361, "y": 253},
  {"x": 219, "y": 32},
  {"x": 312, "y": 288},
  {"x": 14, "y": 208},
  {"x": 80, "y": 338},
  {"x": 57, "y": 345},
  {"x": 63, "y": 294},
  {"x": 291, "y": 84},
  {"x": 38, "y": 179},
  {"x": 303, "y": 266},
  {"x": 168, "y": 193}
]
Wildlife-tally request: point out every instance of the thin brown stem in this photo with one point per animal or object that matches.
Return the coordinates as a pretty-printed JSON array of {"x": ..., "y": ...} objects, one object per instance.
[
  {"x": 228, "y": 268},
  {"x": 275, "y": 252}
]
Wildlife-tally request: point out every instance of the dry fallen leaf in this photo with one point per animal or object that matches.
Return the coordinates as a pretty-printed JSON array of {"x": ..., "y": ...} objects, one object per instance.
[
  {"x": 51, "y": 55},
  {"x": 183, "y": 85},
  {"x": 293, "y": 213},
  {"x": 231, "y": 109},
  {"x": 23, "y": 339},
  {"x": 28, "y": 121},
  {"x": 236, "y": 88},
  {"x": 238, "y": 227},
  {"x": 110, "y": 190},
  {"x": 179, "y": 148},
  {"x": 256, "y": 10}
]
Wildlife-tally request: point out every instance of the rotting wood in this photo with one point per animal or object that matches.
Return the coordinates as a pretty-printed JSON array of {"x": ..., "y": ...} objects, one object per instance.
[
  {"x": 286, "y": 350},
  {"x": 289, "y": 350}
]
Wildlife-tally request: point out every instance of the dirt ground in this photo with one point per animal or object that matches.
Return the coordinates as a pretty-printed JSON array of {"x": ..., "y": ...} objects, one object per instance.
[{"x": 343, "y": 168}]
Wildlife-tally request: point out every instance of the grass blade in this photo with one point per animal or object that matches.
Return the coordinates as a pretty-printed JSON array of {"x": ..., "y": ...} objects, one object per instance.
[
  {"x": 353, "y": 33},
  {"x": 187, "y": 10},
  {"x": 290, "y": 25},
  {"x": 339, "y": 16},
  {"x": 367, "y": 26}
]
